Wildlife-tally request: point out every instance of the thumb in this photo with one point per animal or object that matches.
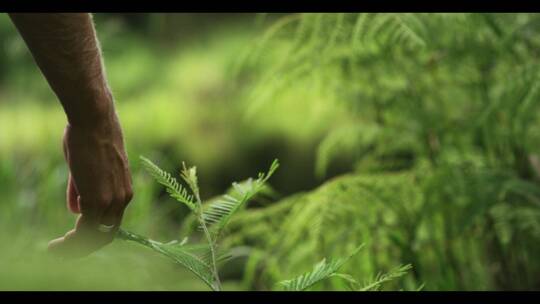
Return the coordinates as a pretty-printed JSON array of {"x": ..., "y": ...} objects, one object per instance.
[{"x": 81, "y": 241}]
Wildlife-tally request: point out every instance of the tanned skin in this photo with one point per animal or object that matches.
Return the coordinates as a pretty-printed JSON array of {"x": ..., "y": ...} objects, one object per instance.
[{"x": 66, "y": 49}]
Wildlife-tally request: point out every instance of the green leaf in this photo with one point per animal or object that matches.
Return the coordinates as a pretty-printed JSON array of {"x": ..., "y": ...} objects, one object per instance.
[
  {"x": 383, "y": 278},
  {"x": 172, "y": 186},
  {"x": 218, "y": 213},
  {"x": 195, "y": 258},
  {"x": 190, "y": 177},
  {"x": 321, "y": 271},
  {"x": 347, "y": 277}
]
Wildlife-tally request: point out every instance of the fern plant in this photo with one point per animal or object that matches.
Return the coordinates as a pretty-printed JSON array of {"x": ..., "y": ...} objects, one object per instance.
[
  {"x": 324, "y": 270},
  {"x": 321, "y": 271},
  {"x": 212, "y": 217},
  {"x": 382, "y": 278},
  {"x": 452, "y": 101}
]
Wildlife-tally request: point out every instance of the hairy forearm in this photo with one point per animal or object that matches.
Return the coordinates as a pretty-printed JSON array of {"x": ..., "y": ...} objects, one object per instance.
[{"x": 67, "y": 52}]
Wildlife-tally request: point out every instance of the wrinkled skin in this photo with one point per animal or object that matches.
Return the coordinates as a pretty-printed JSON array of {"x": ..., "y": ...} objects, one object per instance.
[
  {"x": 66, "y": 50},
  {"x": 99, "y": 186}
]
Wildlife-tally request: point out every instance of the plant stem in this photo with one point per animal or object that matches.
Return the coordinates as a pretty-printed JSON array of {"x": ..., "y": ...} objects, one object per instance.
[
  {"x": 130, "y": 236},
  {"x": 210, "y": 241}
]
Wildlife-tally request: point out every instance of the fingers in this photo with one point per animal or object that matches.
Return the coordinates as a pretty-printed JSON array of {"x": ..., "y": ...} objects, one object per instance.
[
  {"x": 113, "y": 215},
  {"x": 86, "y": 237},
  {"x": 81, "y": 241},
  {"x": 99, "y": 187}
]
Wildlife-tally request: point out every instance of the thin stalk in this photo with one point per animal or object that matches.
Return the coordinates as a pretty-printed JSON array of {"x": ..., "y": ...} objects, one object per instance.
[
  {"x": 154, "y": 245},
  {"x": 210, "y": 241},
  {"x": 122, "y": 234}
]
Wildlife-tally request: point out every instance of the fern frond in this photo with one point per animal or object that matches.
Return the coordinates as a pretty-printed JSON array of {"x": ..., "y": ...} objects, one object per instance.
[
  {"x": 189, "y": 175},
  {"x": 172, "y": 186},
  {"x": 357, "y": 30},
  {"x": 321, "y": 271},
  {"x": 406, "y": 33},
  {"x": 201, "y": 252},
  {"x": 383, "y": 278},
  {"x": 192, "y": 257},
  {"x": 217, "y": 215},
  {"x": 349, "y": 278},
  {"x": 350, "y": 138}
]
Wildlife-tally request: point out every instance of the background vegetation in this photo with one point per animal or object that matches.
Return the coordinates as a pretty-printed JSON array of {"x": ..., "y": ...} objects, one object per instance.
[{"x": 415, "y": 134}]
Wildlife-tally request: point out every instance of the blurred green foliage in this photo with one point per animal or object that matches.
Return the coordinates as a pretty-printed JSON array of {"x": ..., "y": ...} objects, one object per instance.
[
  {"x": 416, "y": 134},
  {"x": 442, "y": 140}
]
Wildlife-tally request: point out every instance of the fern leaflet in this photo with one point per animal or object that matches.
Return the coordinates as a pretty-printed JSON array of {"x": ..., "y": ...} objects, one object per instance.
[
  {"x": 174, "y": 189},
  {"x": 321, "y": 271},
  {"x": 382, "y": 278},
  {"x": 218, "y": 214},
  {"x": 188, "y": 256}
]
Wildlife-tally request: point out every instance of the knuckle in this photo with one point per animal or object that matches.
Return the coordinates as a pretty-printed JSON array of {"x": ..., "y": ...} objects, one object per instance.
[
  {"x": 129, "y": 195},
  {"x": 126, "y": 196},
  {"x": 123, "y": 198},
  {"x": 118, "y": 199},
  {"x": 104, "y": 195},
  {"x": 125, "y": 203},
  {"x": 104, "y": 200}
]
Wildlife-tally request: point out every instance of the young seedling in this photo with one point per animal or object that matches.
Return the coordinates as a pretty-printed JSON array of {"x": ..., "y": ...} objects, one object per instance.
[{"x": 203, "y": 259}]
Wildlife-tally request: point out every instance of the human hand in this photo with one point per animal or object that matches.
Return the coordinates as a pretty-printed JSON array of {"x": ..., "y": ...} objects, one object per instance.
[{"x": 99, "y": 185}]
